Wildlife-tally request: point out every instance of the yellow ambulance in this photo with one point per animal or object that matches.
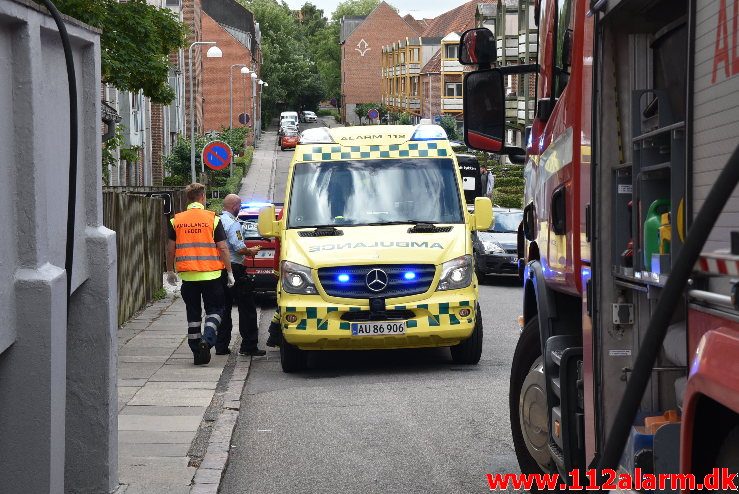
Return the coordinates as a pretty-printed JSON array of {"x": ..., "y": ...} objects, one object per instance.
[{"x": 376, "y": 245}]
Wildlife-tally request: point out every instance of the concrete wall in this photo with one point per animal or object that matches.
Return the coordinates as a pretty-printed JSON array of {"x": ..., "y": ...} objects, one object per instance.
[{"x": 57, "y": 376}]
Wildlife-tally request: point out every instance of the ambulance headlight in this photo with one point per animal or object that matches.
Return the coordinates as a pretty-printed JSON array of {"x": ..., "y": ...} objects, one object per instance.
[
  {"x": 297, "y": 279},
  {"x": 456, "y": 274}
]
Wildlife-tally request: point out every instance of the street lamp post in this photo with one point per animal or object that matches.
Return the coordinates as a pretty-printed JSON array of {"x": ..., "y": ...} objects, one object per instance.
[
  {"x": 254, "y": 105},
  {"x": 213, "y": 52},
  {"x": 262, "y": 85},
  {"x": 231, "y": 91}
]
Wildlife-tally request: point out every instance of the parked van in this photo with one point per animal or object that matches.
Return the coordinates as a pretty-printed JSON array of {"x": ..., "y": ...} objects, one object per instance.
[
  {"x": 376, "y": 245},
  {"x": 289, "y": 115}
]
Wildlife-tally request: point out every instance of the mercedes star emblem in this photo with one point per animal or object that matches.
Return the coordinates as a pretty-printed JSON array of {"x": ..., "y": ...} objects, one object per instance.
[{"x": 376, "y": 280}]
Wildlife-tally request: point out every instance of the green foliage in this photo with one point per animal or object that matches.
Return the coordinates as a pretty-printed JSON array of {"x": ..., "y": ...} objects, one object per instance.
[
  {"x": 362, "y": 109},
  {"x": 135, "y": 44},
  {"x": 328, "y": 113},
  {"x": 177, "y": 163},
  {"x": 449, "y": 124},
  {"x": 160, "y": 293},
  {"x": 404, "y": 119},
  {"x": 109, "y": 158},
  {"x": 354, "y": 8},
  {"x": 232, "y": 186}
]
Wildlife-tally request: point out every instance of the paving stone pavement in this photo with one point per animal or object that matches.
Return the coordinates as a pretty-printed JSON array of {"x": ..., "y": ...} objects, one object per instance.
[{"x": 163, "y": 398}]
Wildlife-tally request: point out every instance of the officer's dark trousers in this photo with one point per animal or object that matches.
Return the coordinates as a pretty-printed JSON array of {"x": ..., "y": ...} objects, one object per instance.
[
  {"x": 211, "y": 293},
  {"x": 241, "y": 295}
]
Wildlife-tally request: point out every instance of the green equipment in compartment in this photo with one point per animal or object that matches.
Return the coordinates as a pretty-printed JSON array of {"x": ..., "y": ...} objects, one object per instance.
[{"x": 651, "y": 230}]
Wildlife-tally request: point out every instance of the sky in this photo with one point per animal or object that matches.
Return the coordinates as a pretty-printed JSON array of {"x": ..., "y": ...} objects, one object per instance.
[{"x": 420, "y": 9}]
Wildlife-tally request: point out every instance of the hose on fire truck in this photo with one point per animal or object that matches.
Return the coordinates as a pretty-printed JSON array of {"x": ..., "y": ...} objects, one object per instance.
[{"x": 701, "y": 227}]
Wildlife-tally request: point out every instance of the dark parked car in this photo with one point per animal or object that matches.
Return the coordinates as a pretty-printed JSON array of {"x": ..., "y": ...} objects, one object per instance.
[{"x": 496, "y": 249}]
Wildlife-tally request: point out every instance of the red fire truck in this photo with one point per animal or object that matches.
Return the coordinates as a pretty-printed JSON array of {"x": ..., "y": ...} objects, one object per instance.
[
  {"x": 629, "y": 354},
  {"x": 260, "y": 268}
]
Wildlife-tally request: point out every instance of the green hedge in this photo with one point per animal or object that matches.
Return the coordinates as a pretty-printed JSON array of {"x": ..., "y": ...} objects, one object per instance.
[
  {"x": 328, "y": 113},
  {"x": 232, "y": 186}
]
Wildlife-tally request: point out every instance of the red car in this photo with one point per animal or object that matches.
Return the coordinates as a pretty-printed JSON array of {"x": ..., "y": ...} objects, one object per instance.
[
  {"x": 261, "y": 267},
  {"x": 289, "y": 139}
]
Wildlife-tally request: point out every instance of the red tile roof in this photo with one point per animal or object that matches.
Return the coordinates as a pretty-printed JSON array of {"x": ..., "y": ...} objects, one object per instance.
[
  {"x": 417, "y": 25},
  {"x": 433, "y": 66},
  {"x": 456, "y": 20}
]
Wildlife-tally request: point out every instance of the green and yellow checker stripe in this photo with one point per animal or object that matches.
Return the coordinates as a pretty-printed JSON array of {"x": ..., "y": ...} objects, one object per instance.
[
  {"x": 440, "y": 314},
  {"x": 333, "y": 152}
]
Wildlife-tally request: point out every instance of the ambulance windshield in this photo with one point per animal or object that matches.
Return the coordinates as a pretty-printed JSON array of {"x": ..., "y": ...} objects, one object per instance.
[{"x": 374, "y": 192}]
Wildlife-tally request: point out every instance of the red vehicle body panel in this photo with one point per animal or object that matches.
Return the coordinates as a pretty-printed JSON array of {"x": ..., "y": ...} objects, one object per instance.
[
  {"x": 714, "y": 373},
  {"x": 289, "y": 141},
  {"x": 260, "y": 267}
]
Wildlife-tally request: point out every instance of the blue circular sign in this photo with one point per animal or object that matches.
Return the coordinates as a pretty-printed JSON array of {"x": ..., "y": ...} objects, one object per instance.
[
  {"x": 373, "y": 114},
  {"x": 217, "y": 155}
]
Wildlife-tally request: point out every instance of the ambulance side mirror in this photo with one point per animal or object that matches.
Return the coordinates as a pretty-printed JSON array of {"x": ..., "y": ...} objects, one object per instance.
[
  {"x": 267, "y": 225},
  {"x": 483, "y": 216}
]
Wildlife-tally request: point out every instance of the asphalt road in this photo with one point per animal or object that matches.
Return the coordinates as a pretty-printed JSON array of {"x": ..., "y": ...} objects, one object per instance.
[{"x": 404, "y": 421}]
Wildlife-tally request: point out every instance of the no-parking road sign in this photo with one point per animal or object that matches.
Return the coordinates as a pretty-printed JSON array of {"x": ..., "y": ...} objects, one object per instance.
[{"x": 217, "y": 155}]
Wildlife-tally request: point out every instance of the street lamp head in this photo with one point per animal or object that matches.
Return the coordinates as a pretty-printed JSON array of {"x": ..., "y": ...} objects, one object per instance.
[
  {"x": 260, "y": 82},
  {"x": 214, "y": 52},
  {"x": 253, "y": 75},
  {"x": 244, "y": 70},
  {"x": 265, "y": 84}
]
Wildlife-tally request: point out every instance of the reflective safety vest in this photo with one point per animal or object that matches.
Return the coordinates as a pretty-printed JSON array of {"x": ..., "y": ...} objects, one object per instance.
[{"x": 195, "y": 249}]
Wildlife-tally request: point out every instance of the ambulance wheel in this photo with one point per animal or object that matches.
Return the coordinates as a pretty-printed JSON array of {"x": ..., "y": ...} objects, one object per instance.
[
  {"x": 292, "y": 358},
  {"x": 528, "y": 403},
  {"x": 468, "y": 352}
]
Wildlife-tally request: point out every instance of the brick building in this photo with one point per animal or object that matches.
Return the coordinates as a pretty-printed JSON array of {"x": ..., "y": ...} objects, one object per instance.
[
  {"x": 233, "y": 28},
  {"x": 362, "y": 40},
  {"x": 422, "y": 76}
]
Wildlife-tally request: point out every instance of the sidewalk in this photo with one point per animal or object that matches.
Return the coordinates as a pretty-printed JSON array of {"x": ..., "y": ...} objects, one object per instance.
[
  {"x": 257, "y": 186},
  {"x": 175, "y": 419}
]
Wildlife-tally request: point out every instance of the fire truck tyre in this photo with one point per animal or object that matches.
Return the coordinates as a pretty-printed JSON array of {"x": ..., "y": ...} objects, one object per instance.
[
  {"x": 468, "y": 352},
  {"x": 292, "y": 358},
  {"x": 728, "y": 455},
  {"x": 528, "y": 403}
]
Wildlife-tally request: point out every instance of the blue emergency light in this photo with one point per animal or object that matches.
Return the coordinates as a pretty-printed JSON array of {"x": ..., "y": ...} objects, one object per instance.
[
  {"x": 428, "y": 133},
  {"x": 343, "y": 278},
  {"x": 409, "y": 275}
]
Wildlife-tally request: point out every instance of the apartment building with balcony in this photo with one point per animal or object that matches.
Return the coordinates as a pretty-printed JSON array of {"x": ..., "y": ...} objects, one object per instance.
[
  {"x": 422, "y": 76},
  {"x": 513, "y": 24}
]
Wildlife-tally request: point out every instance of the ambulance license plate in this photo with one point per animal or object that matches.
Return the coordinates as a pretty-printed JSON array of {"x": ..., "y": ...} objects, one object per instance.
[
  {"x": 378, "y": 328},
  {"x": 266, "y": 254}
]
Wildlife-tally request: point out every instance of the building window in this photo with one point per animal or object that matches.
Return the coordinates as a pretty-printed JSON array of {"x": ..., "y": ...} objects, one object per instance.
[
  {"x": 511, "y": 24},
  {"x": 451, "y": 51},
  {"x": 414, "y": 86},
  {"x": 402, "y": 57},
  {"x": 453, "y": 90}
]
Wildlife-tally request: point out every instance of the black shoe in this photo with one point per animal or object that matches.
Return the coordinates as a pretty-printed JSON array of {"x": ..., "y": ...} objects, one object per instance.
[
  {"x": 202, "y": 355},
  {"x": 254, "y": 352},
  {"x": 227, "y": 351}
]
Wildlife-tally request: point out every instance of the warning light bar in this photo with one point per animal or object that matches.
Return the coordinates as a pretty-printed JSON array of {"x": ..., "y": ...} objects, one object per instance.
[
  {"x": 428, "y": 133},
  {"x": 318, "y": 135}
]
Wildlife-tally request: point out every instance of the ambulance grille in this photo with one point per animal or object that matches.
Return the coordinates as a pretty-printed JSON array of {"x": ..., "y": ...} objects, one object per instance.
[{"x": 351, "y": 281}]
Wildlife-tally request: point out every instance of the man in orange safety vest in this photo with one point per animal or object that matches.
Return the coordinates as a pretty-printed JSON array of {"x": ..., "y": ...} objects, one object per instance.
[{"x": 197, "y": 250}]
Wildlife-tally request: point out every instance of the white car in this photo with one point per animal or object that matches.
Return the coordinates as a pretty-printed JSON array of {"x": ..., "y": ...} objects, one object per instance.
[{"x": 309, "y": 117}]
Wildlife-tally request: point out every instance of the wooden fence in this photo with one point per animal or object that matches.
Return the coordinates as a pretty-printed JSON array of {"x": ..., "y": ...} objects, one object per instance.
[{"x": 138, "y": 215}]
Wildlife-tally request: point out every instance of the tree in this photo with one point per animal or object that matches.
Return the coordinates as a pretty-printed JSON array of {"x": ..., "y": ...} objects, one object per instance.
[
  {"x": 177, "y": 162},
  {"x": 135, "y": 44},
  {"x": 449, "y": 124},
  {"x": 354, "y": 8}
]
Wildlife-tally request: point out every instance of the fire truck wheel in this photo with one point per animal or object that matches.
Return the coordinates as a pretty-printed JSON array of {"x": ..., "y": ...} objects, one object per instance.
[
  {"x": 528, "y": 403},
  {"x": 292, "y": 358},
  {"x": 728, "y": 455},
  {"x": 468, "y": 352}
]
